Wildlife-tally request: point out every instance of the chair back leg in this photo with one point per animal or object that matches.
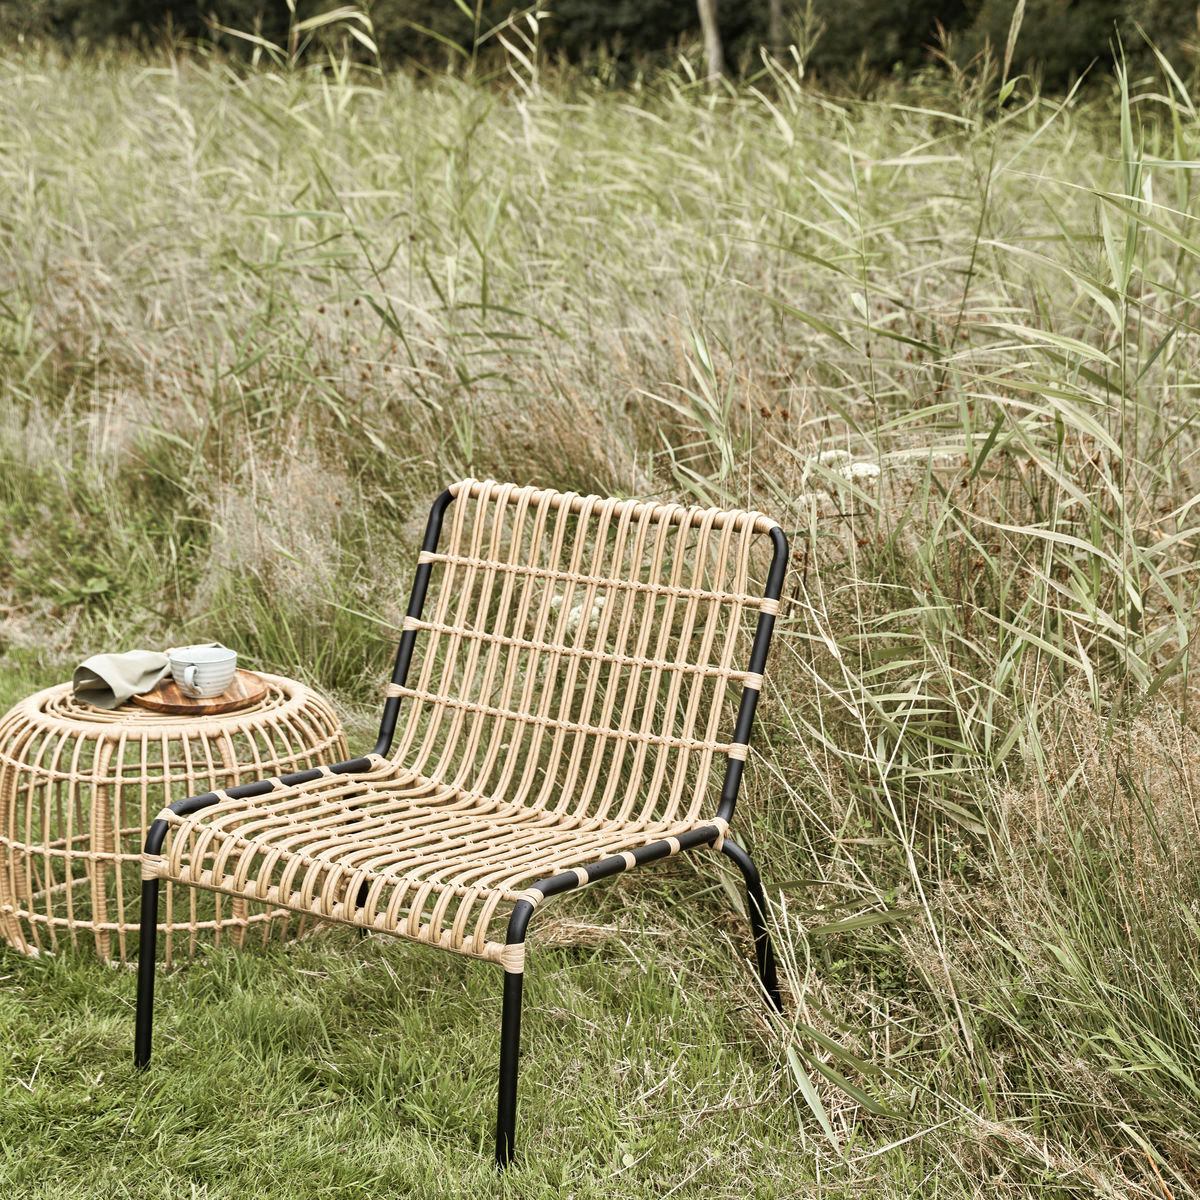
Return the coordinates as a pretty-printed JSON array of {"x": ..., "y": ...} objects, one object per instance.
[
  {"x": 764, "y": 952},
  {"x": 147, "y": 950}
]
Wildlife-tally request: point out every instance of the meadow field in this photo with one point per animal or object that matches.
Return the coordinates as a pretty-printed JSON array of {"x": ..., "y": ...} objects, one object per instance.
[{"x": 252, "y": 321}]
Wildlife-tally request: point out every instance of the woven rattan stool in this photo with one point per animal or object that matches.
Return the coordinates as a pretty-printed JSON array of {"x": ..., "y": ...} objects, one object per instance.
[
  {"x": 566, "y": 707},
  {"x": 79, "y": 787}
]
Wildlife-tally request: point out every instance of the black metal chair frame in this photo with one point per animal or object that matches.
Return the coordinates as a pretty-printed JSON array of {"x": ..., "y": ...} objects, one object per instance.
[{"x": 510, "y": 1026}]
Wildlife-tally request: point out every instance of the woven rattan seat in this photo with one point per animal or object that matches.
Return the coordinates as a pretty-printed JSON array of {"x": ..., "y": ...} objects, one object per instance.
[
  {"x": 568, "y": 676},
  {"x": 423, "y": 861}
]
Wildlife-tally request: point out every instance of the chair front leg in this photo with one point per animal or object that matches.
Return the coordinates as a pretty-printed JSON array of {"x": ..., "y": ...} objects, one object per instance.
[
  {"x": 147, "y": 949},
  {"x": 510, "y": 1032},
  {"x": 510, "y": 1047},
  {"x": 155, "y": 836},
  {"x": 764, "y": 952}
]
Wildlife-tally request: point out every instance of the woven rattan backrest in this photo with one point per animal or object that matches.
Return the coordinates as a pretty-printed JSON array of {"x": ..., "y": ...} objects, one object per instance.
[{"x": 574, "y": 653}]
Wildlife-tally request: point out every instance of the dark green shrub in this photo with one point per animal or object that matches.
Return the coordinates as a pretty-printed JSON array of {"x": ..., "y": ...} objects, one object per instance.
[
  {"x": 882, "y": 33},
  {"x": 1059, "y": 38}
]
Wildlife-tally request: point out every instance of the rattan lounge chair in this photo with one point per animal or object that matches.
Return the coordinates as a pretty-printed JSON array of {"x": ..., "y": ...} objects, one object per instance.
[{"x": 570, "y": 658}]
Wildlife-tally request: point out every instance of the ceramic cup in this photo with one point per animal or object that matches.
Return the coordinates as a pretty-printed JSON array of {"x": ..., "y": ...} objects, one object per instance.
[{"x": 203, "y": 672}]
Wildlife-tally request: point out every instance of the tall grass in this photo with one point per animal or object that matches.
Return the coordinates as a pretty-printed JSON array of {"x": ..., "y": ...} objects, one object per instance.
[{"x": 251, "y": 323}]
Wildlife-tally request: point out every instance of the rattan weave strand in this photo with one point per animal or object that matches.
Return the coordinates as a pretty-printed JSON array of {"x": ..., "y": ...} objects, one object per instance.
[{"x": 566, "y": 702}]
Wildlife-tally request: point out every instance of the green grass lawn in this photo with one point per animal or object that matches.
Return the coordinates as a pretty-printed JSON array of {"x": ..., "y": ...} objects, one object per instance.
[
  {"x": 252, "y": 322},
  {"x": 342, "y": 1065},
  {"x": 348, "y": 1067}
]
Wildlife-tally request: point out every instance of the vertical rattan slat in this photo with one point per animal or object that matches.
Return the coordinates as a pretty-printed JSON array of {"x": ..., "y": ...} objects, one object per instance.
[{"x": 532, "y": 595}]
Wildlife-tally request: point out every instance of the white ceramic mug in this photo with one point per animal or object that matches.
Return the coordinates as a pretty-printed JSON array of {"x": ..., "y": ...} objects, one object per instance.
[{"x": 203, "y": 672}]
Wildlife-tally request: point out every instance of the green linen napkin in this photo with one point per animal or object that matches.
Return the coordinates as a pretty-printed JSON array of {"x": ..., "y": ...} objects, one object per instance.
[{"x": 107, "y": 680}]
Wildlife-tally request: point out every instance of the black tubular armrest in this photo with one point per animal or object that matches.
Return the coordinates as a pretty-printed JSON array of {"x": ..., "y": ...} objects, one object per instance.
[
  {"x": 605, "y": 868},
  {"x": 245, "y": 791}
]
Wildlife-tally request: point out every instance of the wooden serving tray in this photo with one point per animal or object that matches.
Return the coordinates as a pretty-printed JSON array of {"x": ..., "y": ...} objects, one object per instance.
[{"x": 246, "y": 689}]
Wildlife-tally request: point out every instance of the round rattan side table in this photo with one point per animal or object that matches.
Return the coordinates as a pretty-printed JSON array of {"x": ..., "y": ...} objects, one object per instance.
[{"x": 79, "y": 786}]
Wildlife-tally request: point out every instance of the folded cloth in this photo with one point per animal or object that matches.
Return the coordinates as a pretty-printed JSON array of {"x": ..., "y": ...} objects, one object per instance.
[{"x": 107, "y": 680}]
